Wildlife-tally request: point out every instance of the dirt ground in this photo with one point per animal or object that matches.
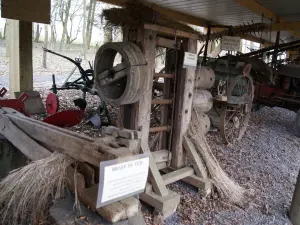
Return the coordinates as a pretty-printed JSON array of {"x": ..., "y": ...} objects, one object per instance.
[{"x": 266, "y": 161}]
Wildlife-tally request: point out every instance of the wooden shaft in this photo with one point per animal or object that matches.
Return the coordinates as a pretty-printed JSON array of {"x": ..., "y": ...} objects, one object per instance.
[
  {"x": 161, "y": 101},
  {"x": 164, "y": 75},
  {"x": 159, "y": 129},
  {"x": 295, "y": 207}
]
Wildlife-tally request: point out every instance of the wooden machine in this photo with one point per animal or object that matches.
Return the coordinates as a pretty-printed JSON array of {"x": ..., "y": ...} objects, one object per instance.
[{"x": 124, "y": 75}]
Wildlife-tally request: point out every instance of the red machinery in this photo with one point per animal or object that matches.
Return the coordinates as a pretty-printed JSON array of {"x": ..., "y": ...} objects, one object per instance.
[{"x": 17, "y": 104}]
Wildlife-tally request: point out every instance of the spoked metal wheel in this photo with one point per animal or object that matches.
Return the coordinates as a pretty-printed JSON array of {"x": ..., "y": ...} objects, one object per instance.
[
  {"x": 234, "y": 122},
  {"x": 235, "y": 114}
]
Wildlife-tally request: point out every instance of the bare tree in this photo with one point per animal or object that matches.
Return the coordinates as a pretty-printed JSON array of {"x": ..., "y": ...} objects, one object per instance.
[
  {"x": 45, "y": 46},
  {"x": 64, "y": 14},
  {"x": 54, "y": 15},
  {"x": 90, "y": 22},
  {"x": 38, "y": 31},
  {"x": 84, "y": 30}
]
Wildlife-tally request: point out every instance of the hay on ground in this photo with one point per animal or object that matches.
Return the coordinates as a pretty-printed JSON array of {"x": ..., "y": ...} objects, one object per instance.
[
  {"x": 225, "y": 186},
  {"x": 26, "y": 193}
]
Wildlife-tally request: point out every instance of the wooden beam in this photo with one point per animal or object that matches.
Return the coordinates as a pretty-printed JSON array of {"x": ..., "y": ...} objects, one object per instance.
[
  {"x": 165, "y": 11},
  {"x": 257, "y": 8},
  {"x": 20, "y": 63},
  {"x": 177, "y": 175},
  {"x": 285, "y": 26}
]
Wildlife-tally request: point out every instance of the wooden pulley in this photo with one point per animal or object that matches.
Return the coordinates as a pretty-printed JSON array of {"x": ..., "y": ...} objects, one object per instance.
[
  {"x": 204, "y": 77},
  {"x": 203, "y": 100},
  {"x": 120, "y": 69}
]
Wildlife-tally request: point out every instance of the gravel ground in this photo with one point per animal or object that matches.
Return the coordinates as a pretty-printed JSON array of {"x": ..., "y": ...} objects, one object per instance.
[{"x": 266, "y": 161}]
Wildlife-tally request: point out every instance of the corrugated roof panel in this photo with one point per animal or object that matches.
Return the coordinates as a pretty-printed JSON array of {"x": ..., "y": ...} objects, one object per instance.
[{"x": 226, "y": 12}]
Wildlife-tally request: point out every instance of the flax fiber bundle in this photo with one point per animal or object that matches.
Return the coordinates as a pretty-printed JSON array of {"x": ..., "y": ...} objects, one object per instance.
[
  {"x": 225, "y": 186},
  {"x": 26, "y": 193}
]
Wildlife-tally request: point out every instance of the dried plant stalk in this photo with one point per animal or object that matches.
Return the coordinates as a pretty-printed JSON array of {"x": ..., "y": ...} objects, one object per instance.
[
  {"x": 225, "y": 186},
  {"x": 26, "y": 193}
]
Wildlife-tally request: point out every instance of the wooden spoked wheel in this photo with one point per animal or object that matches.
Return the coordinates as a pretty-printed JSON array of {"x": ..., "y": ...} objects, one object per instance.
[
  {"x": 123, "y": 81},
  {"x": 235, "y": 114}
]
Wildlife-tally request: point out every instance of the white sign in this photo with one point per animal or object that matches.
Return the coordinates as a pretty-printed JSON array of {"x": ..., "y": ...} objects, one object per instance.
[
  {"x": 121, "y": 180},
  {"x": 229, "y": 43},
  {"x": 190, "y": 59}
]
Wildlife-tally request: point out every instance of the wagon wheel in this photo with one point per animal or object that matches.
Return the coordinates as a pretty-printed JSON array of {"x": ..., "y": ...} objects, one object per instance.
[{"x": 235, "y": 114}]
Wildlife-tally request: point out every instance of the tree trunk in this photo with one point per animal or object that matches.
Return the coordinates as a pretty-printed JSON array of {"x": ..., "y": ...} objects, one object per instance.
[
  {"x": 37, "y": 33},
  {"x": 64, "y": 17},
  {"x": 84, "y": 30},
  {"x": 45, "y": 46},
  {"x": 7, "y": 39},
  {"x": 90, "y": 22},
  {"x": 295, "y": 207}
]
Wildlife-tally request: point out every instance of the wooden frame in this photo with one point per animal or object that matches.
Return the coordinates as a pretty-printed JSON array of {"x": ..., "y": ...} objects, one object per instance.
[{"x": 156, "y": 193}]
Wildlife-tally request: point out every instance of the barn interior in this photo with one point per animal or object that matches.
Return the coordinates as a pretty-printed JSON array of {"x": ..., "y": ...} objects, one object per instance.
[{"x": 211, "y": 127}]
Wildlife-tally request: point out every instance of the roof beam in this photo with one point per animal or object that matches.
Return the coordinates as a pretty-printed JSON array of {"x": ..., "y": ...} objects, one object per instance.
[
  {"x": 181, "y": 17},
  {"x": 257, "y": 8},
  {"x": 165, "y": 11}
]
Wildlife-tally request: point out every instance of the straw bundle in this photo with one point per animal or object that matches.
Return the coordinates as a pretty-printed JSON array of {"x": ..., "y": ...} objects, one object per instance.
[
  {"x": 135, "y": 13},
  {"x": 225, "y": 186},
  {"x": 26, "y": 193}
]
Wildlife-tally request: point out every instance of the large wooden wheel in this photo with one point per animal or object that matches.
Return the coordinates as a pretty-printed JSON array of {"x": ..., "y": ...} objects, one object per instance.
[
  {"x": 120, "y": 82},
  {"x": 235, "y": 114}
]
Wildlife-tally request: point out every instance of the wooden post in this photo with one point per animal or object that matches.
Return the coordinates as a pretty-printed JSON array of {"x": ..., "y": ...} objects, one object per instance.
[
  {"x": 295, "y": 207},
  {"x": 183, "y": 108},
  {"x": 20, "y": 62}
]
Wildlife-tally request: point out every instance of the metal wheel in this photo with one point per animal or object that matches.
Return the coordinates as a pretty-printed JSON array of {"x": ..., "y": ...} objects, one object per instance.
[
  {"x": 235, "y": 114},
  {"x": 234, "y": 122}
]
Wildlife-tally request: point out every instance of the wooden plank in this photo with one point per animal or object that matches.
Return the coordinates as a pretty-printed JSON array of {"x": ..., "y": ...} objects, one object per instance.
[
  {"x": 88, "y": 173},
  {"x": 75, "y": 147},
  {"x": 161, "y": 165},
  {"x": 177, "y": 175},
  {"x": 200, "y": 168},
  {"x": 170, "y": 31},
  {"x": 166, "y": 43},
  {"x": 164, "y": 75},
  {"x": 295, "y": 207},
  {"x": 20, "y": 66},
  {"x": 159, "y": 129},
  {"x": 167, "y": 205},
  {"x": 21, "y": 140},
  {"x": 29, "y": 10},
  {"x": 161, "y": 156},
  {"x": 161, "y": 101},
  {"x": 183, "y": 108},
  {"x": 143, "y": 108}
]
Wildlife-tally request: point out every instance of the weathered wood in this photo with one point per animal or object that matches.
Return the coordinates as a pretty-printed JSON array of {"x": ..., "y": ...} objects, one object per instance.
[
  {"x": 161, "y": 101},
  {"x": 131, "y": 206},
  {"x": 33, "y": 104},
  {"x": 29, "y": 10},
  {"x": 205, "y": 77},
  {"x": 88, "y": 173},
  {"x": 75, "y": 181},
  {"x": 170, "y": 31},
  {"x": 183, "y": 109},
  {"x": 162, "y": 165},
  {"x": 20, "y": 66},
  {"x": 166, "y": 43},
  {"x": 159, "y": 129},
  {"x": 295, "y": 207},
  {"x": 132, "y": 145},
  {"x": 202, "y": 100},
  {"x": 198, "y": 164},
  {"x": 161, "y": 156},
  {"x": 177, "y": 175},
  {"x": 140, "y": 112},
  {"x": 21, "y": 140},
  {"x": 166, "y": 205},
  {"x": 164, "y": 75}
]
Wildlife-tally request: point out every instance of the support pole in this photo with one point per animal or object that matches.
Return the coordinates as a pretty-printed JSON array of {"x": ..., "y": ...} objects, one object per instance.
[
  {"x": 20, "y": 61},
  {"x": 295, "y": 207},
  {"x": 206, "y": 45},
  {"x": 183, "y": 108},
  {"x": 275, "y": 53}
]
